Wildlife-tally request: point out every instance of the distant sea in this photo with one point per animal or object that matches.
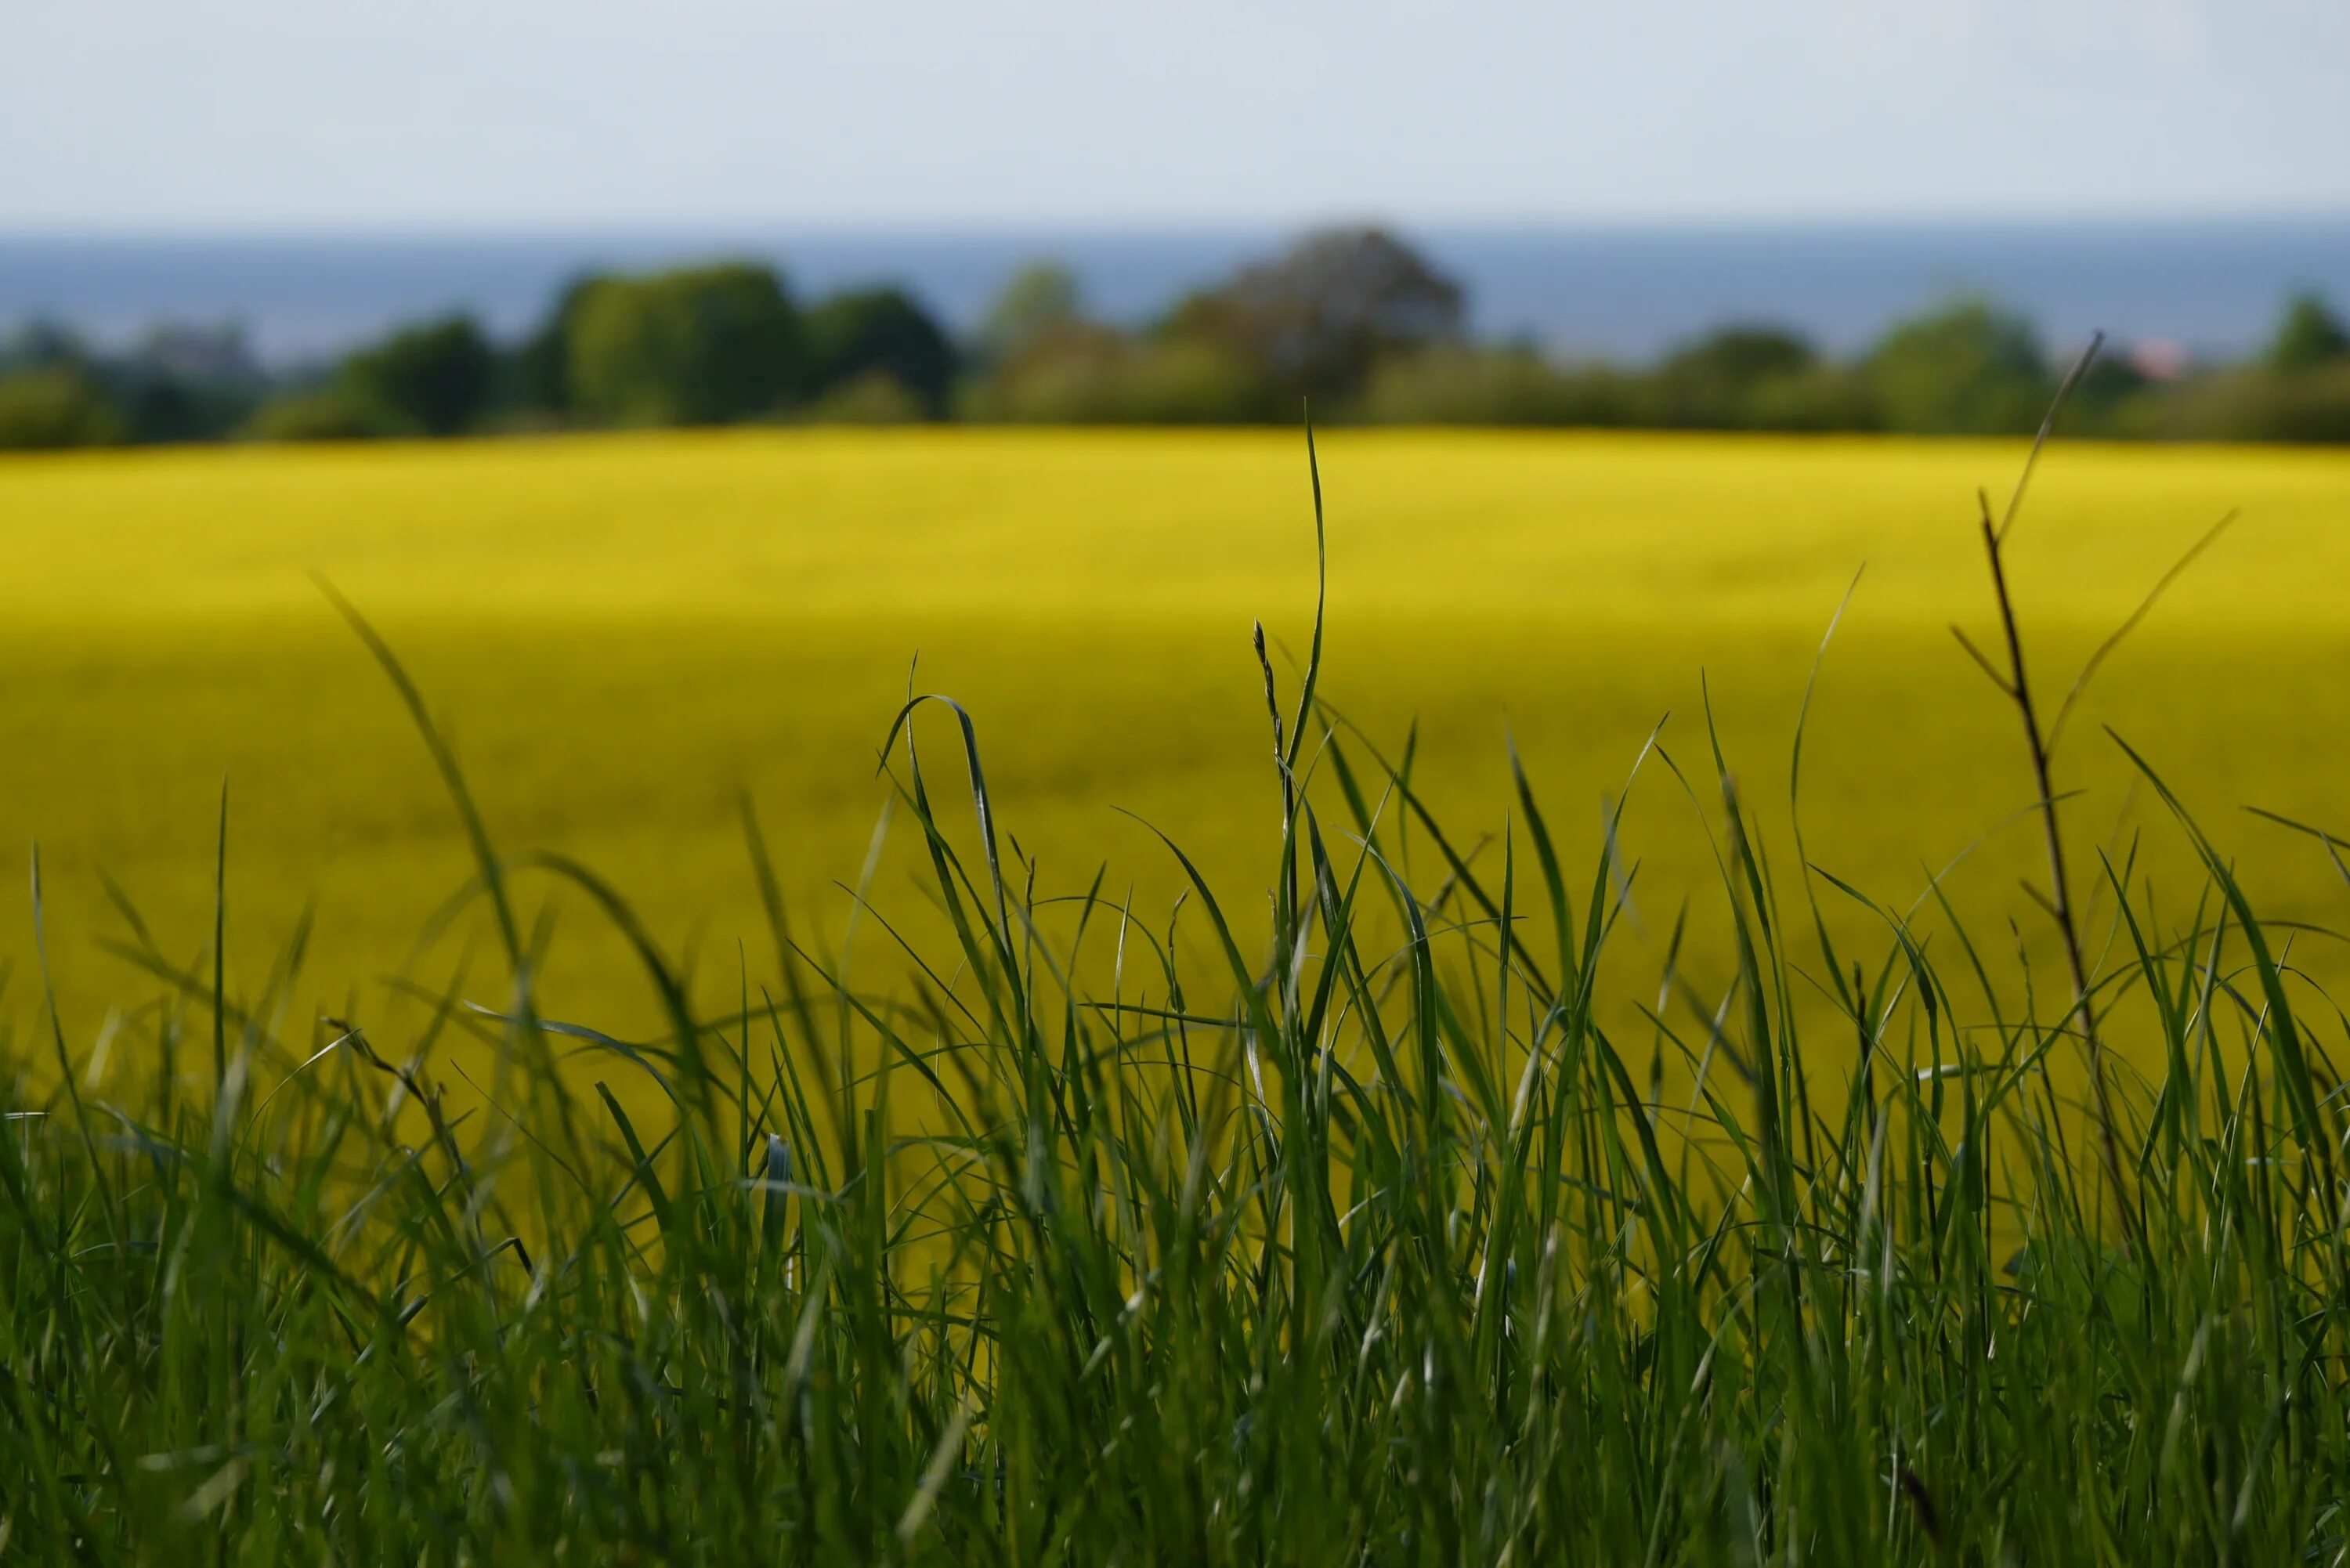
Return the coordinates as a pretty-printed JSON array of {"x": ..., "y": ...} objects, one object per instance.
[{"x": 2212, "y": 288}]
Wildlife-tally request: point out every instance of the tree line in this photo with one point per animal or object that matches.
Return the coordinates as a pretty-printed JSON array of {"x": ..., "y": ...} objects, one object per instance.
[{"x": 1352, "y": 321}]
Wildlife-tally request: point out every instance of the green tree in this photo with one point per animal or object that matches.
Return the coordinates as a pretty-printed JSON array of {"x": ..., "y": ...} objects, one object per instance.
[
  {"x": 542, "y": 365},
  {"x": 2308, "y": 335},
  {"x": 185, "y": 384},
  {"x": 1039, "y": 301},
  {"x": 881, "y": 331},
  {"x": 40, "y": 345},
  {"x": 701, "y": 346},
  {"x": 55, "y": 406},
  {"x": 1716, "y": 381},
  {"x": 1969, "y": 368},
  {"x": 1316, "y": 318},
  {"x": 439, "y": 377}
]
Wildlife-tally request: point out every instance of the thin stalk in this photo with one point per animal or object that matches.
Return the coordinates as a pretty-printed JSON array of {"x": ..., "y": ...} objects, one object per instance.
[{"x": 2018, "y": 687}]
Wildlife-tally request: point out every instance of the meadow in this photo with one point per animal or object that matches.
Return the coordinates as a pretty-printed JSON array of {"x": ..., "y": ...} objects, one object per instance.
[
  {"x": 629, "y": 636},
  {"x": 1587, "y": 1075}
]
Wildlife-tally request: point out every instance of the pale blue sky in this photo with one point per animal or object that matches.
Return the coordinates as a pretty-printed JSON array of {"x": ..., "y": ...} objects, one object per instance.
[{"x": 504, "y": 113}]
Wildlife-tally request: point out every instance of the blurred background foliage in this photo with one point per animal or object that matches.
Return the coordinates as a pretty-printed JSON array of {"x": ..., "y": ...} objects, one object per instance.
[{"x": 1352, "y": 322}]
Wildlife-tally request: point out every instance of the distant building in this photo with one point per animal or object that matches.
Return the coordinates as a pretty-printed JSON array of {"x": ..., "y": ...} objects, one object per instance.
[{"x": 2160, "y": 359}]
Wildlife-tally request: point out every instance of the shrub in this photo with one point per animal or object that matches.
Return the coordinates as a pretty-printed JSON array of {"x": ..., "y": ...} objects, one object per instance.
[
  {"x": 1495, "y": 386},
  {"x": 332, "y": 413},
  {"x": 1183, "y": 383},
  {"x": 1815, "y": 400},
  {"x": 875, "y": 397},
  {"x": 2314, "y": 406},
  {"x": 54, "y": 407},
  {"x": 1091, "y": 376},
  {"x": 2251, "y": 403}
]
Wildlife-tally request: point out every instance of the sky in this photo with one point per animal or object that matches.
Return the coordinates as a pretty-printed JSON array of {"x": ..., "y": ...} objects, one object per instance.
[{"x": 199, "y": 115}]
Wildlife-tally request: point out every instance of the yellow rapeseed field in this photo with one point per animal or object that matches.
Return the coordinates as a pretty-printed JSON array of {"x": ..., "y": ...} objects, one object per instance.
[{"x": 625, "y": 635}]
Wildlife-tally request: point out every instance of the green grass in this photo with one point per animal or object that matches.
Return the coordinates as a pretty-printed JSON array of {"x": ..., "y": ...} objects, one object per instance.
[{"x": 1100, "y": 1238}]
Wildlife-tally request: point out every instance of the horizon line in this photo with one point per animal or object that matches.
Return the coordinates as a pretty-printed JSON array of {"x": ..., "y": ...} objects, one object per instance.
[{"x": 966, "y": 228}]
